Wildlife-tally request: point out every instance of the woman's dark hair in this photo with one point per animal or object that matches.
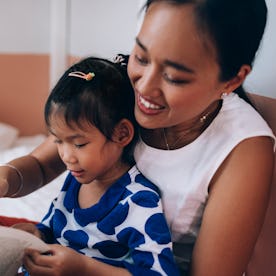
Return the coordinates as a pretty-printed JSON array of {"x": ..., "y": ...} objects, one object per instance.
[
  {"x": 235, "y": 27},
  {"x": 103, "y": 101}
]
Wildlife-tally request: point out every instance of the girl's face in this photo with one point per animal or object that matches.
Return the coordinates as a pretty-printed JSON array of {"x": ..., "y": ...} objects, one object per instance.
[
  {"x": 85, "y": 151},
  {"x": 173, "y": 68}
]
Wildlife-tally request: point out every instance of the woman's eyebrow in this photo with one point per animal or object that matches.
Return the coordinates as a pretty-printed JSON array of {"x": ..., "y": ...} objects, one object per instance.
[
  {"x": 174, "y": 64},
  {"x": 140, "y": 44},
  {"x": 179, "y": 66}
]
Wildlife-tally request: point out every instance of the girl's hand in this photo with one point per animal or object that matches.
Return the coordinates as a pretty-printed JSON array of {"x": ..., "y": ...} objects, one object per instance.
[{"x": 60, "y": 261}]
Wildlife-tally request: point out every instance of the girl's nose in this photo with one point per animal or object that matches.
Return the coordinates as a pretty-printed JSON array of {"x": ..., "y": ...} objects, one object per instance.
[{"x": 67, "y": 155}]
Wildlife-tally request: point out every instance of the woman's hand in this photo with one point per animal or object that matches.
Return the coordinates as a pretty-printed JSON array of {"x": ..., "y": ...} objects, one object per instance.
[
  {"x": 4, "y": 185},
  {"x": 8, "y": 176},
  {"x": 28, "y": 227}
]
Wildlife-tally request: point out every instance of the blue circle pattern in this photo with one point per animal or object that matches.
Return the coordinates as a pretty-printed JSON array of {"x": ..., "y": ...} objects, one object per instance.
[
  {"x": 165, "y": 258},
  {"x": 76, "y": 239},
  {"x": 111, "y": 249},
  {"x": 59, "y": 223},
  {"x": 115, "y": 229},
  {"x": 157, "y": 229},
  {"x": 131, "y": 236},
  {"x": 146, "y": 199},
  {"x": 117, "y": 217}
]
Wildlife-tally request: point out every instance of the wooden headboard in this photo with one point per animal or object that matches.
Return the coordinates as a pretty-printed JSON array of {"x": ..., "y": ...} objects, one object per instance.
[{"x": 24, "y": 86}]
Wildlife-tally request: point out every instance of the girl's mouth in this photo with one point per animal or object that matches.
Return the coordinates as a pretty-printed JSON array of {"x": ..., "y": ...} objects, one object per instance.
[{"x": 77, "y": 173}]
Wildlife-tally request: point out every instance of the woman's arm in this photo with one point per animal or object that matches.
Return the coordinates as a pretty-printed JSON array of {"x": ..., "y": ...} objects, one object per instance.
[
  {"x": 37, "y": 168},
  {"x": 235, "y": 210}
]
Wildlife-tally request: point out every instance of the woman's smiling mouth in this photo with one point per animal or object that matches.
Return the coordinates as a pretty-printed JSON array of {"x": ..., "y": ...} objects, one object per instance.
[{"x": 147, "y": 106}]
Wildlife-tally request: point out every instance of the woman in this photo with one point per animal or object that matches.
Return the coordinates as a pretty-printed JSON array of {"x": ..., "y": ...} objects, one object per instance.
[{"x": 210, "y": 152}]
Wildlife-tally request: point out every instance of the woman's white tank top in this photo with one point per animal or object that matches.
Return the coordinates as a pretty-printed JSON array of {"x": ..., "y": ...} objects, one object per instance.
[{"x": 183, "y": 175}]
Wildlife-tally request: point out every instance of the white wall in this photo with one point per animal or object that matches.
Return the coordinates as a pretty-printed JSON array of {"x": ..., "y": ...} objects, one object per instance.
[
  {"x": 96, "y": 27},
  {"x": 262, "y": 79},
  {"x": 106, "y": 27},
  {"x": 24, "y": 26}
]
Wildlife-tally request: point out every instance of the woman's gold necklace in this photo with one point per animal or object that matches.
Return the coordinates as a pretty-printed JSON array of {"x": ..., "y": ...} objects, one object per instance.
[
  {"x": 203, "y": 124},
  {"x": 172, "y": 146}
]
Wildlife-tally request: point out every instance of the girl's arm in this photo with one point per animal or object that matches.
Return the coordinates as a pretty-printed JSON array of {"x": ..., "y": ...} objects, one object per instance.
[
  {"x": 235, "y": 210},
  {"x": 37, "y": 168}
]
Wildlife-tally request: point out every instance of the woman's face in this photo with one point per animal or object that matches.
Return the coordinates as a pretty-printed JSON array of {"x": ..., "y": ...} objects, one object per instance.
[{"x": 173, "y": 69}]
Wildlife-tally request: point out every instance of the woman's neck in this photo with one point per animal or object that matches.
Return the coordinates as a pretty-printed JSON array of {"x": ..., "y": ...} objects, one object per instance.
[{"x": 178, "y": 136}]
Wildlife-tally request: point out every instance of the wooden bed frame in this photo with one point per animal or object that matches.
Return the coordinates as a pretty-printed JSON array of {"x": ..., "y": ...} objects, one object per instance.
[{"x": 24, "y": 86}]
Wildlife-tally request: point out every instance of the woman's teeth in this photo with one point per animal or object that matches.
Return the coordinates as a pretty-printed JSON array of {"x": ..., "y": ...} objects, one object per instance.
[{"x": 148, "y": 104}]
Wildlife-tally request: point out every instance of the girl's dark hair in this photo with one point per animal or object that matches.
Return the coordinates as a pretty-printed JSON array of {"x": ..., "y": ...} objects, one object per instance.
[
  {"x": 103, "y": 101},
  {"x": 235, "y": 27}
]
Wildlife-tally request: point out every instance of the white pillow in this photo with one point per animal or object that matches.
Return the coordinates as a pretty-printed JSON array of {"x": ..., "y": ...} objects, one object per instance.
[{"x": 8, "y": 135}]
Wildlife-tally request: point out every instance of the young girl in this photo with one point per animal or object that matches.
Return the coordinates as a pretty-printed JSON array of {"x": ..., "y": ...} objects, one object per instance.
[{"x": 106, "y": 210}]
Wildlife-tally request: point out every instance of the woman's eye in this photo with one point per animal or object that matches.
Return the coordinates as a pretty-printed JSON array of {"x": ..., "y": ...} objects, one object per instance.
[
  {"x": 175, "y": 81},
  {"x": 141, "y": 60}
]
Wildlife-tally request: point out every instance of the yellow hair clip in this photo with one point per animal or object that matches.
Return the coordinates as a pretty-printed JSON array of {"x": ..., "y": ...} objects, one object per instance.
[{"x": 88, "y": 77}]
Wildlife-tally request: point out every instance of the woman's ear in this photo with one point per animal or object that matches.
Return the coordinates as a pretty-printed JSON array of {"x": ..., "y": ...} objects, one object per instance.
[
  {"x": 235, "y": 82},
  {"x": 123, "y": 132}
]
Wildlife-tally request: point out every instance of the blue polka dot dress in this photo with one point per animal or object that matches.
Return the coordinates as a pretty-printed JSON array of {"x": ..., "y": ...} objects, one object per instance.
[{"x": 126, "y": 228}]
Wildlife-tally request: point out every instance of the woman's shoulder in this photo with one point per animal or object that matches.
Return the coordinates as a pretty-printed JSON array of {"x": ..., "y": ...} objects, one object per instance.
[{"x": 240, "y": 120}]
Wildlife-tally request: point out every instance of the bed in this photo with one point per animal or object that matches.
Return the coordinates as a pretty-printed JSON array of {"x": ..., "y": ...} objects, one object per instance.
[
  {"x": 24, "y": 86},
  {"x": 35, "y": 205}
]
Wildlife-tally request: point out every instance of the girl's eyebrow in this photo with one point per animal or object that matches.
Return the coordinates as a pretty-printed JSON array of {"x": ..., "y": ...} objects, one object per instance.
[
  {"x": 174, "y": 64},
  {"x": 71, "y": 137},
  {"x": 75, "y": 136}
]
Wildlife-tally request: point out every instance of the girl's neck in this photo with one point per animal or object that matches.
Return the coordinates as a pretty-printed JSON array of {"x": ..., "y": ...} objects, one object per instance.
[
  {"x": 90, "y": 194},
  {"x": 176, "y": 137}
]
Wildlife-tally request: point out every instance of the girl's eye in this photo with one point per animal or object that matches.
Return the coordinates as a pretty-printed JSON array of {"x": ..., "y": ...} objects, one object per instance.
[
  {"x": 141, "y": 60},
  {"x": 78, "y": 146},
  {"x": 174, "y": 81},
  {"x": 57, "y": 141}
]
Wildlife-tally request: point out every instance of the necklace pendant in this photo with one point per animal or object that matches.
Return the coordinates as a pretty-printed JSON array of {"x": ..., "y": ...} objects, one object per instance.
[
  {"x": 165, "y": 139},
  {"x": 203, "y": 118}
]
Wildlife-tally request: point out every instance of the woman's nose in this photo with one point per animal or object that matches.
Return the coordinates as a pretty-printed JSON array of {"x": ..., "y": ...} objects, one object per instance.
[{"x": 148, "y": 84}]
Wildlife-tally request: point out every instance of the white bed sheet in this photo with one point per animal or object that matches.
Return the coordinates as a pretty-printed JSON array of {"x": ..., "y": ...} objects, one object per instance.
[{"x": 35, "y": 205}]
